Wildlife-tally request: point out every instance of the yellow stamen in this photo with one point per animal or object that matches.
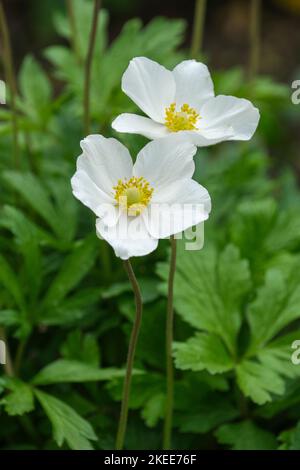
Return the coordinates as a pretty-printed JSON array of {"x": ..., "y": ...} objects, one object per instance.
[
  {"x": 183, "y": 120},
  {"x": 133, "y": 195}
]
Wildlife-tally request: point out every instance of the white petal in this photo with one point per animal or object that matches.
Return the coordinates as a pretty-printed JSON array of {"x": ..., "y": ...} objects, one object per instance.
[
  {"x": 229, "y": 114},
  {"x": 105, "y": 161},
  {"x": 166, "y": 160},
  {"x": 190, "y": 206},
  {"x": 150, "y": 85},
  {"x": 206, "y": 137},
  {"x": 94, "y": 198},
  {"x": 128, "y": 238},
  {"x": 135, "y": 124},
  {"x": 193, "y": 83},
  {"x": 87, "y": 192}
]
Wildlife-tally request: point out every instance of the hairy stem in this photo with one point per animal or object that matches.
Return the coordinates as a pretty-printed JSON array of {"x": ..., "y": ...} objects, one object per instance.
[
  {"x": 255, "y": 31},
  {"x": 88, "y": 67},
  {"x": 169, "y": 341},
  {"x": 10, "y": 78},
  {"x": 198, "y": 27},
  {"x": 130, "y": 356}
]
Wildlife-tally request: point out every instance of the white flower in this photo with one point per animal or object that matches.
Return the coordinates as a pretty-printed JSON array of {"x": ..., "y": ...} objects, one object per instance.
[
  {"x": 137, "y": 204},
  {"x": 183, "y": 101}
]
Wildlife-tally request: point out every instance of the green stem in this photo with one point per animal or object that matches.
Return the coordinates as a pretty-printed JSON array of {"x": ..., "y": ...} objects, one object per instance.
[
  {"x": 88, "y": 67},
  {"x": 19, "y": 355},
  {"x": 169, "y": 341},
  {"x": 10, "y": 78},
  {"x": 198, "y": 27},
  {"x": 74, "y": 34},
  {"x": 130, "y": 356},
  {"x": 255, "y": 33}
]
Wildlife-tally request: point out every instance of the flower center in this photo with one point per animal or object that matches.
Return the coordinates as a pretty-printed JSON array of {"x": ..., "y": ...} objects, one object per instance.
[
  {"x": 133, "y": 195},
  {"x": 183, "y": 120}
]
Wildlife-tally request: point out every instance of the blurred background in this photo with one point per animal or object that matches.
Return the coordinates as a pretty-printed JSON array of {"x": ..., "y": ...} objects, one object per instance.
[{"x": 225, "y": 38}]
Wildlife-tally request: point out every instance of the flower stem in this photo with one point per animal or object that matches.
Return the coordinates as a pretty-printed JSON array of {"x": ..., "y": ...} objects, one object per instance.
[
  {"x": 74, "y": 35},
  {"x": 10, "y": 78},
  {"x": 88, "y": 67},
  {"x": 130, "y": 356},
  {"x": 255, "y": 30},
  {"x": 169, "y": 341},
  {"x": 198, "y": 27}
]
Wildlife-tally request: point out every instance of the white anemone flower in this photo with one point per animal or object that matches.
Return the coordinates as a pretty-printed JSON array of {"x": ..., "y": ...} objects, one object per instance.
[
  {"x": 138, "y": 204},
  {"x": 182, "y": 101}
]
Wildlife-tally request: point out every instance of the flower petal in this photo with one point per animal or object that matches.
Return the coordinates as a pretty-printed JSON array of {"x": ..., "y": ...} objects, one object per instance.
[
  {"x": 188, "y": 207},
  {"x": 135, "y": 124},
  {"x": 236, "y": 115},
  {"x": 87, "y": 192},
  {"x": 193, "y": 83},
  {"x": 150, "y": 85},
  {"x": 128, "y": 238},
  {"x": 165, "y": 160},
  {"x": 105, "y": 161},
  {"x": 206, "y": 137}
]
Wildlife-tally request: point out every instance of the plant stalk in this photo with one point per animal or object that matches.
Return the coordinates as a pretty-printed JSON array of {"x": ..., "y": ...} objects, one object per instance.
[
  {"x": 130, "y": 355},
  {"x": 74, "y": 35},
  {"x": 255, "y": 34},
  {"x": 169, "y": 340},
  {"x": 198, "y": 28},
  {"x": 11, "y": 81},
  {"x": 88, "y": 67}
]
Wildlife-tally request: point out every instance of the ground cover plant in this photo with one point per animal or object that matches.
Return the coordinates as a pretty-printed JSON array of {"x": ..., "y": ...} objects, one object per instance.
[{"x": 66, "y": 306}]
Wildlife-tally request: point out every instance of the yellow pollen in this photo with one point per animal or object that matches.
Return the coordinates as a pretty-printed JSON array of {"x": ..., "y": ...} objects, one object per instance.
[
  {"x": 133, "y": 195},
  {"x": 183, "y": 120}
]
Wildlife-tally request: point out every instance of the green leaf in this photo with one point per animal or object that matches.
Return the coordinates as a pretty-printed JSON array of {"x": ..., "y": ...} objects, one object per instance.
[
  {"x": 209, "y": 412},
  {"x": 246, "y": 436},
  {"x": 258, "y": 381},
  {"x": 66, "y": 371},
  {"x": 290, "y": 439},
  {"x": 67, "y": 424},
  {"x": 10, "y": 282},
  {"x": 9, "y": 317},
  {"x": 251, "y": 225},
  {"x": 81, "y": 347},
  {"x": 20, "y": 400},
  {"x": 203, "y": 351},
  {"x": 277, "y": 304},
  {"x": 83, "y": 13},
  {"x": 144, "y": 387},
  {"x": 73, "y": 309},
  {"x": 28, "y": 238},
  {"x": 154, "y": 409},
  {"x": 35, "y": 194},
  {"x": 209, "y": 290},
  {"x": 35, "y": 88},
  {"x": 74, "y": 268}
]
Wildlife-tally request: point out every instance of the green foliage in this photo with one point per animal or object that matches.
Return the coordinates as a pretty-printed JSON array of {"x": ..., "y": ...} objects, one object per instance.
[
  {"x": 67, "y": 308},
  {"x": 67, "y": 424},
  {"x": 20, "y": 400},
  {"x": 245, "y": 436}
]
